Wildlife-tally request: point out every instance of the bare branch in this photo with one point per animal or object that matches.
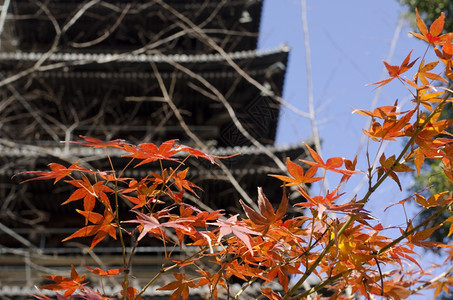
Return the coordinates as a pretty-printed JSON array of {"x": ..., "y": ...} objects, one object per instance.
[{"x": 107, "y": 32}]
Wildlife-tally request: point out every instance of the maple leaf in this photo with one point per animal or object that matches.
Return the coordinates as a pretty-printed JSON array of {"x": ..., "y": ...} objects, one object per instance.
[
  {"x": 429, "y": 145},
  {"x": 432, "y": 36},
  {"x": 388, "y": 112},
  {"x": 432, "y": 201},
  {"x": 212, "y": 280},
  {"x": 390, "y": 129},
  {"x": 131, "y": 292},
  {"x": 64, "y": 283},
  {"x": 180, "y": 285},
  {"x": 332, "y": 164},
  {"x": 282, "y": 271},
  {"x": 149, "y": 152},
  {"x": 237, "y": 228},
  {"x": 97, "y": 143},
  {"x": 150, "y": 224},
  {"x": 396, "y": 71},
  {"x": 107, "y": 273},
  {"x": 57, "y": 172},
  {"x": 426, "y": 98},
  {"x": 270, "y": 294},
  {"x": 396, "y": 290},
  {"x": 419, "y": 238},
  {"x": 103, "y": 225},
  {"x": 326, "y": 201},
  {"x": 200, "y": 218},
  {"x": 447, "y": 47},
  {"x": 181, "y": 182},
  {"x": 423, "y": 73},
  {"x": 298, "y": 175},
  {"x": 89, "y": 193},
  {"x": 145, "y": 193},
  {"x": 240, "y": 270},
  {"x": 387, "y": 164},
  {"x": 139, "y": 201},
  {"x": 267, "y": 217}
]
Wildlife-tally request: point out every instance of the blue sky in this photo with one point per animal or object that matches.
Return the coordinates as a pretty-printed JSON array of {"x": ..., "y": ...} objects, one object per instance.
[{"x": 348, "y": 41}]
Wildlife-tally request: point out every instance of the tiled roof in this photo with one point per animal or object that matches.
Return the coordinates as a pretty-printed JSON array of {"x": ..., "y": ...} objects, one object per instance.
[
  {"x": 131, "y": 57},
  {"x": 80, "y": 151}
]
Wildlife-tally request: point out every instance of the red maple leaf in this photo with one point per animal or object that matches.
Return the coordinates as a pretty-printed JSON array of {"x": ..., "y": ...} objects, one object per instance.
[
  {"x": 97, "y": 143},
  {"x": 149, "y": 152},
  {"x": 268, "y": 216},
  {"x": 64, "y": 283},
  {"x": 103, "y": 225},
  {"x": 57, "y": 171},
  {"x": 181, "y": 182},
  {"x": 89, "y": 193}
]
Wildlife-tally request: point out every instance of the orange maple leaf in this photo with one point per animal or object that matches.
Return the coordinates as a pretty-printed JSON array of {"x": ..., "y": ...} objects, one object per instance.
[
  {"x": 432, "y": 36},
  {"x": 387, "y": 164},
  {"x": 423, "y": 73},
  {"x": 447, "y": 48},
  {"x": 419, "y": 238},
  {"x": 181, "y": 182},
  {"x": 64, "y": 283},
  {"x": 432, "y": 201},
  {"x": 425, "y": 98},
  {"x": 107, "y": 273},
  {"x": 390, "y": 129},
  {"x": 213, "y": 281},
  {"x": 180, "y": 285},
  {"x": 89, "y": 193},
  {"x": 103, "y": 225},
  {"x": 267, "y": 217},
  {"x": 382, "y": 112},
  {"x": 97, "y": 143},
  {"x": 298, "y": 175},
  {"x": 58, "y": 172},
  {"x": 131, "y": 292},
  {"x": 144, "y": 193},
  {"x": 396, "y": 71}
]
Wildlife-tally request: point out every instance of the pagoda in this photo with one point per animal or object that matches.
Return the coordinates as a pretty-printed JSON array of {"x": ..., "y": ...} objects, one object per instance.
[{"x": 142, "y": 71}]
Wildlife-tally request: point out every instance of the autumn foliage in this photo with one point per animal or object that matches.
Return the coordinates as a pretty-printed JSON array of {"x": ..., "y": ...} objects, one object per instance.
[{"x": 335, "y": 242}]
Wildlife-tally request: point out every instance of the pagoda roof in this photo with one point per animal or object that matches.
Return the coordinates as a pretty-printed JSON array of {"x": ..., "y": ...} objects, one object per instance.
[
  {"x": 131, "y": 82},
  {"x": 84, "y": 58},
  {"x": 134, "y": 24},
  {"x": 81, "y": 152}
]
